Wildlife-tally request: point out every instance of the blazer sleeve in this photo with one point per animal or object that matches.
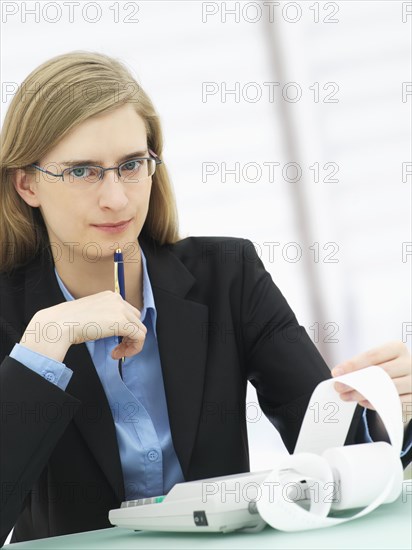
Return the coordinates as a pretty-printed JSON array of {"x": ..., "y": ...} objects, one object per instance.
[
  {"x": 34, "y": 415},
  {"x": 283, "y": 363}
]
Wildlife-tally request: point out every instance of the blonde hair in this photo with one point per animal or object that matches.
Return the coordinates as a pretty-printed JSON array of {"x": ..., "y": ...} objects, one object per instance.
[{"x": 57, "y": 96}]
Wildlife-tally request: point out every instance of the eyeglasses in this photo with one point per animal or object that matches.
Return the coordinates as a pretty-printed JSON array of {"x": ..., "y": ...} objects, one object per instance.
[{"x": 130, "y": 171}]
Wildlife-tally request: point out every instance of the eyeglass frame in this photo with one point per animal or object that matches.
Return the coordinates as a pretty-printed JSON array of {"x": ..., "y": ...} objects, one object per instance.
[{"x": 102, "y": 169}]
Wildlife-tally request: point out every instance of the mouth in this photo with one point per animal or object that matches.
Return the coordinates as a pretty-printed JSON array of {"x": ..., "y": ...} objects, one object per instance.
[
  {"x": 116, "y": 224},
  {"x": 113, "y": 227}
]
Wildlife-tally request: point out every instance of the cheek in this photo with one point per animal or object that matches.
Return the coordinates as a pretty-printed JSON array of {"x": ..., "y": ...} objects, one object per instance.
[
  {"x": 142, "y": 196},
  {"x": 65, "y": 215}
]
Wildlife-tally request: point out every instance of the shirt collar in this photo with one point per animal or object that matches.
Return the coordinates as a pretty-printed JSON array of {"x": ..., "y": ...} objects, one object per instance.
[{"x": 148, "y": 298}]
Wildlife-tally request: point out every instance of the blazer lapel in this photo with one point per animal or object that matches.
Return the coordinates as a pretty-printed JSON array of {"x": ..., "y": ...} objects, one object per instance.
[{"x": 182, "y": 345}]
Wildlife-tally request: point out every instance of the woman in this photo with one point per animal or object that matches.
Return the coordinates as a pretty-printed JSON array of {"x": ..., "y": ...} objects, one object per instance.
[{"x": 201, "y": 316}]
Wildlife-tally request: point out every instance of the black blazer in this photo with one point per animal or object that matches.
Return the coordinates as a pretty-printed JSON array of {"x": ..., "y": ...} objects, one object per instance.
[{"x": 221, "y": 322}]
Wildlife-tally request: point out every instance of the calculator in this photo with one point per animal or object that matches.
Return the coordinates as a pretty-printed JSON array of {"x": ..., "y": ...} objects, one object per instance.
[{"x": 219, "y": 504}]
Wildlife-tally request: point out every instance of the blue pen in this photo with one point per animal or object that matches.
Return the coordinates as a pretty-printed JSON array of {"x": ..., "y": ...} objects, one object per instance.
[{"x": 120, "y": 288}]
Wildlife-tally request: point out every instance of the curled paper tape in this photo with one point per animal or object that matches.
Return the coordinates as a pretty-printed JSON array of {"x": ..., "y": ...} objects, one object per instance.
[
  {"x": 328, "y": 417},
  {"x": 336, "y": 477}
]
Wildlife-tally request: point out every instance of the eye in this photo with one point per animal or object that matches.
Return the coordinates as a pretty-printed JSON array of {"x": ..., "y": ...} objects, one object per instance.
[
  {"x": 132, "y": 165},
  {"x": 81, "y": 171}
]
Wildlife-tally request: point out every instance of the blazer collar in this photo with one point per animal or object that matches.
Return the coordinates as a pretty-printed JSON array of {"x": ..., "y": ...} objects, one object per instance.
[{"x": 182, "y": 350}]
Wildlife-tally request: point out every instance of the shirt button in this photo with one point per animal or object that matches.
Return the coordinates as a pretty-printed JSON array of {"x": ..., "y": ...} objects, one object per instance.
[
  {"x": 49, "y": 376},
  {"x": 152, "y": 455}
]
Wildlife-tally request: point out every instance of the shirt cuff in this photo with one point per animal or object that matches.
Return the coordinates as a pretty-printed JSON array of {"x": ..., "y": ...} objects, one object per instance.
[
  {"x": 406, "y": 444},
  {"x": 55, "y": 372}
]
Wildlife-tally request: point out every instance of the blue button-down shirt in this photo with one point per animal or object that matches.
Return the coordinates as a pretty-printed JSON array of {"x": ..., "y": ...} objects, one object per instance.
[{"x": 138, "y": 403}]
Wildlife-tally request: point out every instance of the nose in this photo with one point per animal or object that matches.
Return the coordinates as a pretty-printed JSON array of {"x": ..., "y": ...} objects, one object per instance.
[{"x": 112, "y": 191}]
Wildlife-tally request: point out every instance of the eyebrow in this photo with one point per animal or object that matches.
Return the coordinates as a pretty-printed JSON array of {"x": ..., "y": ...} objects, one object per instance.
[{"x": 91, "y": 161}]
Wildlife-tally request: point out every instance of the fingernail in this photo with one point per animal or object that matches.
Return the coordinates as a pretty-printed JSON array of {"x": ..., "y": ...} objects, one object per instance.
[{"x": 337, "y": 371}]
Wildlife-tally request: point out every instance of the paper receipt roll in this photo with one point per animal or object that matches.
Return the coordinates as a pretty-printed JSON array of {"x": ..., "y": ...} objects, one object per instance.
[{"x": 337, "y": 477}]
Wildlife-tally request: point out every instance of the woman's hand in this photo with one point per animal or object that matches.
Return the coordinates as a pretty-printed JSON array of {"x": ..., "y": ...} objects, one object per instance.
[
  {"x": 395, "y": 358},
  {"x": 90, "y": 318}
]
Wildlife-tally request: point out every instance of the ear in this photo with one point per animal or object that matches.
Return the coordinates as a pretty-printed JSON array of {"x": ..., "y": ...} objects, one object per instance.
[{"x": 26, "y": 187}]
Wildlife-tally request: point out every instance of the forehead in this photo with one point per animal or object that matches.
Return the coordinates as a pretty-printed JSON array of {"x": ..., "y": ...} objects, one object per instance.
[{"x": 107, "y": 136}]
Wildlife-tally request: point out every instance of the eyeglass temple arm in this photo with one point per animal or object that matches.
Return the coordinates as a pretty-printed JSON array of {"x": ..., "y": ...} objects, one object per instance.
[
  {"x": 153, "y": 154},
  {"x": 34, "y": 164}
]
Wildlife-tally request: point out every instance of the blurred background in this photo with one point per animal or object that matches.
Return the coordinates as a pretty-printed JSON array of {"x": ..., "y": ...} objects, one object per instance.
[{"x": 287, "y": 123}]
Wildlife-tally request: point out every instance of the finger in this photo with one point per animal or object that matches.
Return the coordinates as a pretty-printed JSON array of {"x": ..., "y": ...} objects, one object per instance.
[
  {"x": 132, "y": 342},
  {"x": 133, "y": 327},
  {"x": 131, "y": 348},
  {"x": 374, "y": 356},
  {"x": 398, "y": 367},
  {"x": 127, "y": 348},
  {"x": 135, "y": 340},
  {"x": 138, "y": 327},
  {"x": 134, "y": 309},
  {"x": 403, "y": 385},
  {"x": 356, "y": 396},
  {"x": 352, "y": 396},
  {"x": 340, "y": 387}
]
